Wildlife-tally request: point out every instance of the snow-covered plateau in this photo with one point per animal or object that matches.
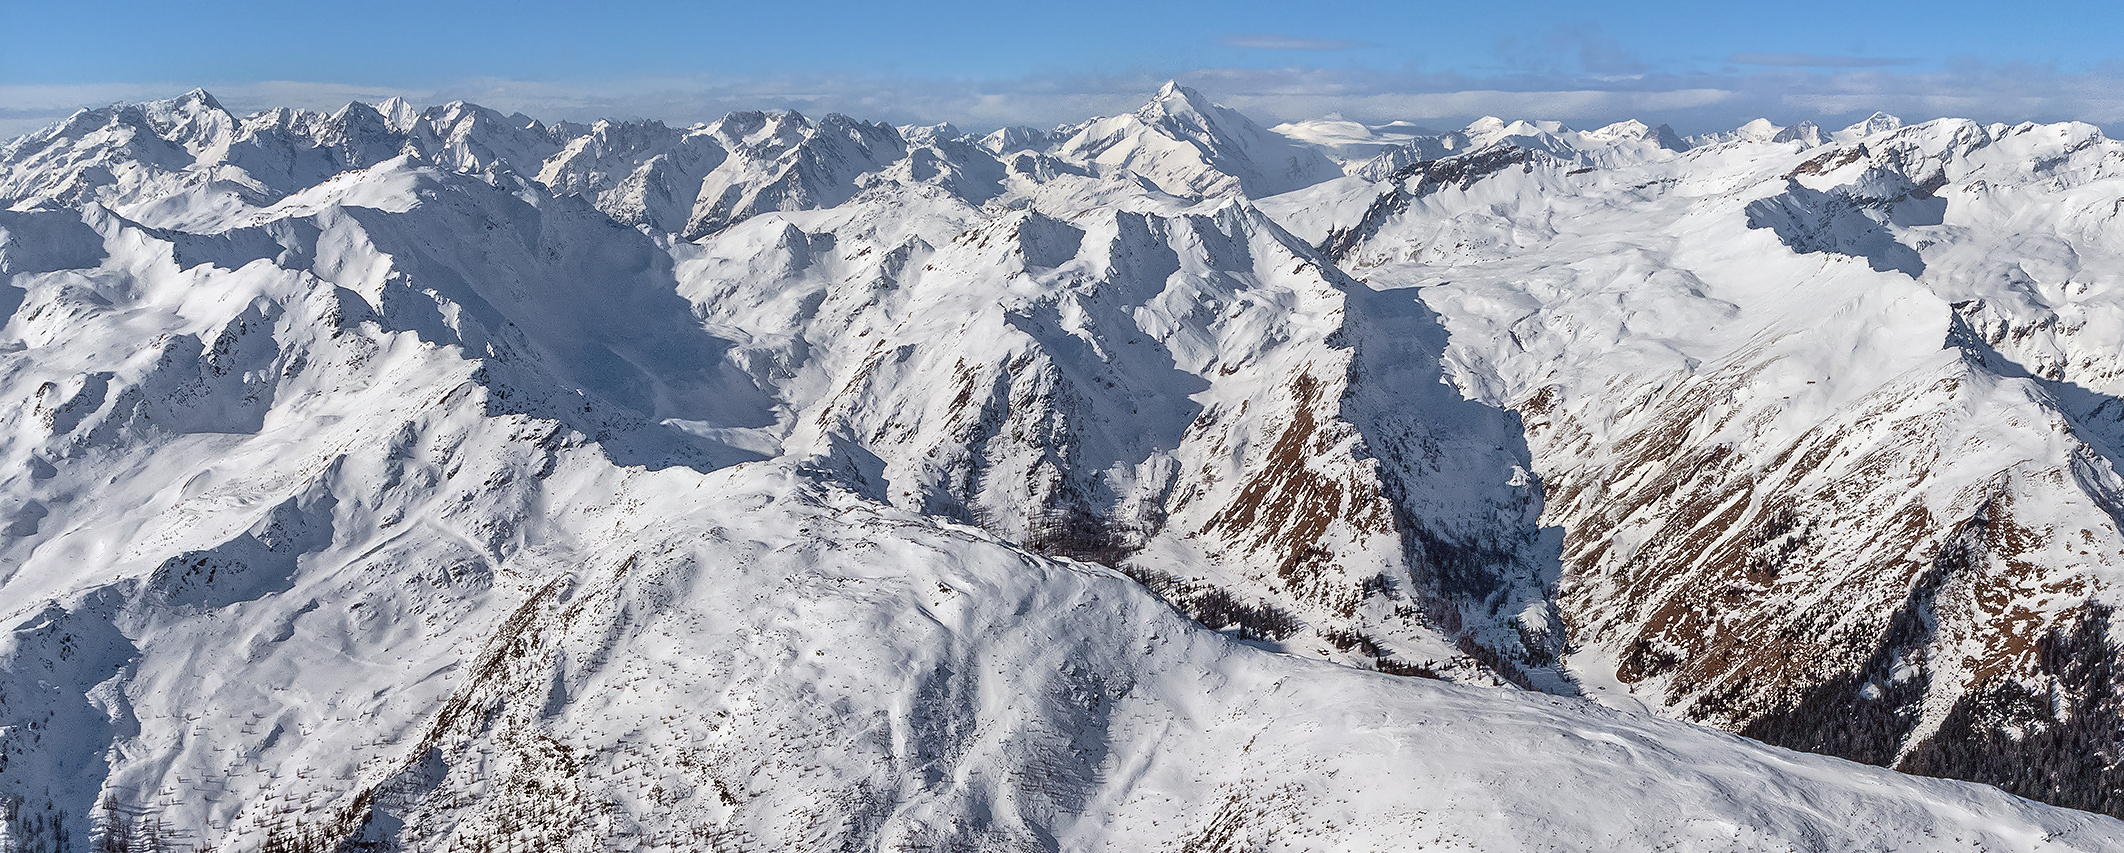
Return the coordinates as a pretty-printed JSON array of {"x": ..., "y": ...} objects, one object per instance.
[{"x": 434, "y": 479}]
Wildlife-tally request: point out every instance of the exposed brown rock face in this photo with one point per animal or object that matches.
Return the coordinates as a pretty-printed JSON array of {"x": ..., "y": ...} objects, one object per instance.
[
  {"x": 1817, "y": 600},
  {"x": 551, "y": 487},
  {"x": 1200, "y": 400},
  {"x": 1851, "y": 489}
]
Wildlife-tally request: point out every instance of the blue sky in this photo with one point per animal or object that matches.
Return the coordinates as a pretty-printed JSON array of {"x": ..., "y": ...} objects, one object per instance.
[{"x": 1699, "y": 65}]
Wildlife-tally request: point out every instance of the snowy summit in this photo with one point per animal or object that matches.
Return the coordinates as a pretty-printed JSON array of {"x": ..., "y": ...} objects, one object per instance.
[{"x": 438, "y": 479}]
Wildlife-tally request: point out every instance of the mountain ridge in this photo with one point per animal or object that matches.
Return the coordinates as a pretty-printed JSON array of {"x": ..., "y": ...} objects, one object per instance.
[{"x": 431, "y": 460}]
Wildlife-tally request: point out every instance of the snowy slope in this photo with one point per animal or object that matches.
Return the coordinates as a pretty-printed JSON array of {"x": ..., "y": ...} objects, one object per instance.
[
  {"x": 1186, "y": 145},
  {"x": 1622, "y": 143},
  {"x": 1346, "y": 141},
  {"x": 1827, "y": 430},
  {"x": 1089, "y": 470},
  {"x": 1762, "y": 130},
  {"x": 410, "y": 617},
  {"x": 447, "y": 480},
  {"x": 1168, "y": 389}
]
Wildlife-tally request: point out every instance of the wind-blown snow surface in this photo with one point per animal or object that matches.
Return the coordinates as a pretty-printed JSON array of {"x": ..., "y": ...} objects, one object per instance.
[{"x": 445, "y": 480}]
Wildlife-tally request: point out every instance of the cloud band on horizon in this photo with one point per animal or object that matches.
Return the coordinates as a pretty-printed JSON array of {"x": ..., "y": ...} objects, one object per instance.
[{"x": 1692, "y": 103}]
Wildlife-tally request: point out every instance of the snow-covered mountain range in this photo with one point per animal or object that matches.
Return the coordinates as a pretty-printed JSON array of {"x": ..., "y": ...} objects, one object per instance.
[{"x": 444, "y": 480}]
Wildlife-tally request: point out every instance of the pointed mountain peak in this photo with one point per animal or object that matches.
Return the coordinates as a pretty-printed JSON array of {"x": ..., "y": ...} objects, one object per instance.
[
  {"x": 1175, "y": 99},
  {"x": 195, "y": 102},
  {"x": 1665, "y": 137},
  {"x": 356, "y": 111},
  {"x": 1218, "y": 148},
  {"x": 202, "y": 98},
  {"x": 193, "y": 119},
  {"x": 398, "y": 114}
]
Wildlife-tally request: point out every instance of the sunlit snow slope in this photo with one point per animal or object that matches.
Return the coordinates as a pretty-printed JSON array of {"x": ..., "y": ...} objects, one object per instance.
[
  {"x": 441, "y": 480},
  {"x": 1829, "y": 428}
]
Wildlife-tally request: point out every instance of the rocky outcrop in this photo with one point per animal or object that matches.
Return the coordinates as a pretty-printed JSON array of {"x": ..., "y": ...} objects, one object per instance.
[{"x": 1833, "y": 456}]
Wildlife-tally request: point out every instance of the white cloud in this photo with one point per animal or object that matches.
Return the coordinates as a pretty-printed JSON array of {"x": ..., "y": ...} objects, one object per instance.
[{"x": 1691, "y": 102}]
